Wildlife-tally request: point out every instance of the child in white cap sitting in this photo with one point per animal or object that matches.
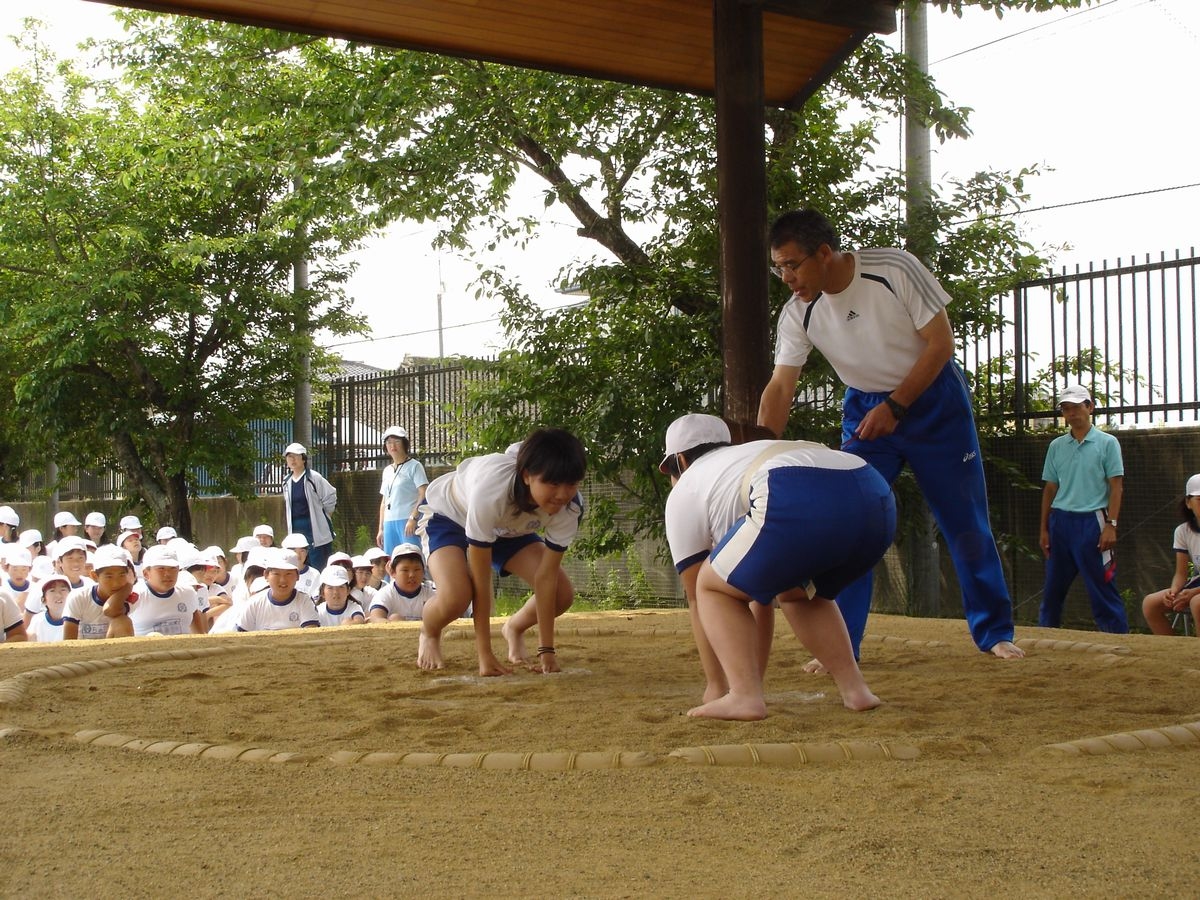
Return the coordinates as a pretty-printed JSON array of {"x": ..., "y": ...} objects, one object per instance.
[
  {"x": 337, "y": 607},
  {"x": 281, "y": 605},
  {"x": 404, "y": 597},
  {"x": 101, "y": 610},
  {"x": 48, "y": 625},
  {"x": 164, "y": 606}
]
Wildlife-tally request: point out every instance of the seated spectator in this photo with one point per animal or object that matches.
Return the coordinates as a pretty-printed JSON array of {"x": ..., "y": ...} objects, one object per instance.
[
  {"x": 16, "y": 580},
  {"x": 1182, "y": 595},
  {"x": 48, "y": 626},
  {"x": 165, "y": 535},
  {"x": 360, "y": 588},
  {"x": 379, "y": 562},
  {"x": 31, "y": 540},
  {"x": 71, "y": 560},
  {"x": 131, "y": 543},
  {"x": 281, "y": 606},
  {"x": 336, "y": 606},
  {"x": 404, "y": 597},
  {"x": 65, "y": 525},
  {"x": 309, "y": 578},
  {"x": 12, "y": 623},
  {"x": 94, "y": 524},
  {"x": 101, "y": 610},
  {"x": 345, "y": 561},
  {"x": 10, "y": 522},
  {"x": 163, "y": 606},
  {"x": 265, "y": 535}
]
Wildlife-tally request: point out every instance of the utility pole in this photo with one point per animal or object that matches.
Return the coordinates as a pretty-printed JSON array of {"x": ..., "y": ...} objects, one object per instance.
[
  {"x": 925, "y": 594},
  {"x": 302, "y": 418},
  {"x": 441, "y": 290}
]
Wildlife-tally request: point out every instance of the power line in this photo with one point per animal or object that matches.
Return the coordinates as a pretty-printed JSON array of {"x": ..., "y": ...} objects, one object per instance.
[
  {"x": 1006, "y": 37},
  {"x": 1146, "y": 193}
]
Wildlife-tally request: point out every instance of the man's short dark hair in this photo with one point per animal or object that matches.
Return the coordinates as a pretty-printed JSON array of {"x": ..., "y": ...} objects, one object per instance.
[{"x": 806, "y": 228}]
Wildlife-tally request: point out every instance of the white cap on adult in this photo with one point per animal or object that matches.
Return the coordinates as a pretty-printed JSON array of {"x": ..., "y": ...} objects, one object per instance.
[
  {"x": 295, "y": 448},
  {"x": 1193, "y": 486},
  {"x": 395, "y": 431},
  {"x": 1074, "y": 393},
  {"x": 691, "y": 431}
]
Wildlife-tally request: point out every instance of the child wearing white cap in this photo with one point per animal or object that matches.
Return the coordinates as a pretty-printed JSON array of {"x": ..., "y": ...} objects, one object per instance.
[
  {"x": 753, "y": 523},
  {"x": 94, "y": 524},
  {"x": 71, "y": 560},
  {"x": 47, "y": 627},
  {"x": 164, "y": 606},
  {"x": 101, "y": 610},
  {"x": 1184, "y": 593},
  {"x": 16, "y": 581},
  {"x": 281, "y": 606},
  {"x": 404, "y": 597},
  {"x": 360, "y": 588},
  {"x": 10, "y": 524},
  {"x": 337, "y": 607},
  {"x": 309, "y": 577}
]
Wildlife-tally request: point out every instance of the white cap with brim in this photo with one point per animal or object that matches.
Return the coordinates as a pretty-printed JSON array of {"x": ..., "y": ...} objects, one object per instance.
[
  {"x": 407, "y": 549},
  {"x": 360, "y": 562},
  {"x": 264, "y": 529},
  {"x": 294, "y": 541},
  {"x": 67, "y": 544},
  {"x": 131, "y": 523},
  {"x": 245, "y": 544},
  {"x": 110, "y": 556},
  {"x": 29, "y": 537},
  {"x": 374, "y": 553},
  {"x": 297, "y": 449},
  {"x": 126, "y": 535},
  {"x": 335, "y": 576},
  {"x": 283, "y": 560},
  {"x": 160, "y": 556},
  {"x": 166, "y": 533},
  {"x": 691, "y": 431},
  {"x": 338, "y": 557},
  {"x": 1192, "y": 489},
  {"x": 17, "y": 555},
  {"x": 8, "y": 516},
  {"x": 1074, "y": 393},
  {"x": 95, "y": 520},
  {"x": 53, "y": 578},
  {"x": 395, "y": 431}
]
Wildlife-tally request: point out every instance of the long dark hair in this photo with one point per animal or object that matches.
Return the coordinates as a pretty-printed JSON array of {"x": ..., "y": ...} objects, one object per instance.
[
  {"x": 1186, "y": 515},
  {"x": 553, "y": 454}
]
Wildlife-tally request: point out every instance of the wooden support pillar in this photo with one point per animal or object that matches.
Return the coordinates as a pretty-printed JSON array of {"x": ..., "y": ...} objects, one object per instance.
[{"x": 741, "y": 205}]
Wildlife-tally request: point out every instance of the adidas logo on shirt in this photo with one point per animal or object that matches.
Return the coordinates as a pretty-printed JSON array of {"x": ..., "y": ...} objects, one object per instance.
[{"x": 851, "y": 315}]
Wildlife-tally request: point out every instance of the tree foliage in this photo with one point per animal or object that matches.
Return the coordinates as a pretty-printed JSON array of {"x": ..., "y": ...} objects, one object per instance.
[{"x": 147, "y": 235}]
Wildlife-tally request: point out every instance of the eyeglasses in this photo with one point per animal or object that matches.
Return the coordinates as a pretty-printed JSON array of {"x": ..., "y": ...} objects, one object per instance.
[{"x": 792, "y": 267}]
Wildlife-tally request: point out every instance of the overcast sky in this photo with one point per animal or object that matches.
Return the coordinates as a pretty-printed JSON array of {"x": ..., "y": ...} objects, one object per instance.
[{"x": 1100, "y": 98}]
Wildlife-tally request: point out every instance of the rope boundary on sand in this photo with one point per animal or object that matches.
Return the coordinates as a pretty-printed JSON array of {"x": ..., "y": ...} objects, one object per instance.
[{"x": 14, "y": 689}]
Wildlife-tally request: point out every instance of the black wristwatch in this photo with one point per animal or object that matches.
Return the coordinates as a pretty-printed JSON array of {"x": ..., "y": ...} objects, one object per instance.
[{"x": 898, "y": 409}]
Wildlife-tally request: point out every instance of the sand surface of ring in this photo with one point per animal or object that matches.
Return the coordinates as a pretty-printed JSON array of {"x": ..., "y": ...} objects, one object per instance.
[{"x": 984, "y": 807}]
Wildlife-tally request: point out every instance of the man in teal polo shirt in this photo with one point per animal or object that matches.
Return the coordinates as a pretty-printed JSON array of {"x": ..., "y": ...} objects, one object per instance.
[{"x": 1080, "y": 503}]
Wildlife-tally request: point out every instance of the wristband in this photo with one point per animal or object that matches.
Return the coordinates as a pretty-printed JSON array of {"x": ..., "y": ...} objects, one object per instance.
[{"x": 899, "y": 411}]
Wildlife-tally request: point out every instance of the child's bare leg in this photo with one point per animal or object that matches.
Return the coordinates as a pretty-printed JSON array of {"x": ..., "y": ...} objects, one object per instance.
[
  {"x": 820, "y": 627},
  {"x": 1154, "y": 609},
  {"x": 730, "y": 626},
  {"x": 715, "y": 683},
  {"x": 448, "y": 566},
  {"x": 525, "y": 565},
  {"x": 764, "y": 624}
]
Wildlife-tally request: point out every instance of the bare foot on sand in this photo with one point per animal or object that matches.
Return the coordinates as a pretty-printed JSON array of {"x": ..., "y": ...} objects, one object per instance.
[
  {"x": 516, "y": 642},
  {"x": 429, "y": 651},
  {"x": 1007, "y": 650},
  {"x": 743, "y": 709},
  {"x": 814, "y": 667},
  {"x": 861, "y": 700}
]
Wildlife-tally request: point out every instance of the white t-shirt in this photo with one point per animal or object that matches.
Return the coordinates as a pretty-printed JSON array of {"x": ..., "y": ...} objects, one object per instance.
[
  {"x": 262, "y": 613},
  {"x": 1188, "y": 541},
  {"x": 391, "y": 600},
  {"x": 44, "y": 629},
  {"x": 85, "y": 608},
  {"x": 10, "y": 615},
  {"x": 400, "y": 488},
  {"x": 707, "y": 500},
  {"x": 348, "y": 612},
  {"x": 478, "y": 496},
  {"x": 868, "y": 332},
  {"x": 308, "y": 581},
  {"x": 169, "y": 613},
  {"x": 17, "y": 593}
]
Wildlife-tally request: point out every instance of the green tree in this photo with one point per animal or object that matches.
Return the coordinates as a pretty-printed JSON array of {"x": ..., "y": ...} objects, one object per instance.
[{"x": 147, "y": 236}]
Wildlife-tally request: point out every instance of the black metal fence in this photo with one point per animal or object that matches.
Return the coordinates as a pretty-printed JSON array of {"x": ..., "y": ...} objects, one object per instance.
[{"x": 1127, "y": 332}]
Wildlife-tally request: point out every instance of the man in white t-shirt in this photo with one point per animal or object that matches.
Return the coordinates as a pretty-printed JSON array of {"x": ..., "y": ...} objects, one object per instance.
[{"x": 879, "y": 318}]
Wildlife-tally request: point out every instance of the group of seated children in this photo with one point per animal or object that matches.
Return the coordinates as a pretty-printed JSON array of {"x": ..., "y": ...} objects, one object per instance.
[{"x": 80, "y": 586}]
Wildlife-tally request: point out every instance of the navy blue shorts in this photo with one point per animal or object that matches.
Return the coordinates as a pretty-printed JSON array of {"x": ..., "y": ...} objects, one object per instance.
[
  {"x": 826, "y": 526},
  {"x": 442, "y": 531}
]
